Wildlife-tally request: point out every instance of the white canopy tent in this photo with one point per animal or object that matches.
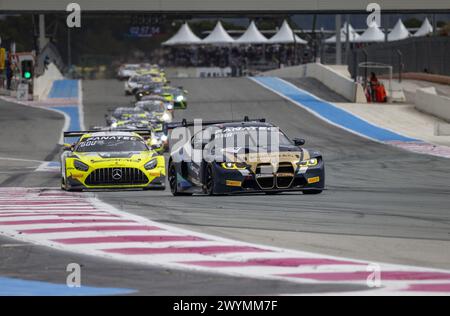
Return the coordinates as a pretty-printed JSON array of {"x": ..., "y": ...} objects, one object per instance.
[
  {"x": 425, "y": 29},
  {"x": 353, "y": 35},
  {"x": 184, "y": 36},
  {"x": 399, "y": 32},
  {"x": 285, "y": 35},
  {"x": 218, "y": 36},
  {"x": 372, "y": 34},
  {"x": 252, "y": 36}
]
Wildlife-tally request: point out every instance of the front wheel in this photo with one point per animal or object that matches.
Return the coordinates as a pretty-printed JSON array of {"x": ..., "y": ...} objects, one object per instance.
[
  {"x": 63, "y": 184},
  {"x": 173, "y": 183},
  {"x": 210, "y": 181}
]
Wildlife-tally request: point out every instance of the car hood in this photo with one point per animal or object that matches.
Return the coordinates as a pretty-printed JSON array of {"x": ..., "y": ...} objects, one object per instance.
[
  {"x": 289, "y": 154},
  {"x": 115, "y": 158}
]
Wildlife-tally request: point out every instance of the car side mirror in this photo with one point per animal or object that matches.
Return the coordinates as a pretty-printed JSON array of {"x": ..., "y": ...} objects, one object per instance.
[
  {"x": 299, "y": 141},
  {"x": 67, "y": 147}
]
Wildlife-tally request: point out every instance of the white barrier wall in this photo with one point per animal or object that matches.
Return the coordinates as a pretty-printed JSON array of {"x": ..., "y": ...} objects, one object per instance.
[
  {"x": 333, "y": 79},
  {"x": 428, "y": 101},
  {"x": 43, "y": 84}
]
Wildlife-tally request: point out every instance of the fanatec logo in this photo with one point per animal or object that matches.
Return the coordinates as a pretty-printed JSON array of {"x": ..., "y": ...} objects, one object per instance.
[{"x": 117, "y": 174}]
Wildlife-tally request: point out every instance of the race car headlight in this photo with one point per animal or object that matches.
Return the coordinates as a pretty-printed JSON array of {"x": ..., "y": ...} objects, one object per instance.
[
  {"x": 180, "y": 98},
  {"x": 80, "y": 166},
  {"x": 234, "y": 165},
  {"x": 309, "y": 163},
  {"x": 151, "y": 164},
  {"x": 165, "y": 117}
]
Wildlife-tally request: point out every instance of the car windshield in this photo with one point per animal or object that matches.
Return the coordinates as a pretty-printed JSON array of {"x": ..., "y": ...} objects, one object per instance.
[
  {"x": 172, "y": 91},
  {"x": 146, "y": 79},
  {"x": 111, "y": 144},
  {"x": 251, "y": 137},
  {"x": 152, "y": 106},
  {"x": 123, "y": 111}
]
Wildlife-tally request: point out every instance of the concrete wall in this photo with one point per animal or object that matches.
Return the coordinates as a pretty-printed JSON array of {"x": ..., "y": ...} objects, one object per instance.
[
  {"x": 335, "y": 79},
  {"x": 43, "y": 84},
  {"x": 428, "y": 101}
]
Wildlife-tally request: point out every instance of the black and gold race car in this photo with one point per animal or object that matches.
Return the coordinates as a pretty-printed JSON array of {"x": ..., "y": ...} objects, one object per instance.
[{"x": 243, "y": 157}]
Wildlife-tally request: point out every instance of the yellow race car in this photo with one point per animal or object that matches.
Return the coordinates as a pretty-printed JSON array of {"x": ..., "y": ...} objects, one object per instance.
[
  {"x": 175, "y": 95},
  {"x": 155, "y": 74},
  {"x": 111, "y": 160}
]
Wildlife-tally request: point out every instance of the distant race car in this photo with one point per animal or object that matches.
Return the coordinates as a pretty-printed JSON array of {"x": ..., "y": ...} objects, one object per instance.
[
  {"x": 111, "y": 160},
  {"x": 175, "y": 95},
  {"x": 135, "y": 83},
  {"x": 125, "y": 113},
  {"x": 155, "y": 97},
  {"x": 157, "y": 108},
  {"x": 153, "y": 88},
  {"x": 126, "y": 71},
  {"x": 255, "y": 167}
]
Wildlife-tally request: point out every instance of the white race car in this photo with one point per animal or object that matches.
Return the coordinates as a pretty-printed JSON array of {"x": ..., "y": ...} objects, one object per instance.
[{"x": 127, "y": 71}]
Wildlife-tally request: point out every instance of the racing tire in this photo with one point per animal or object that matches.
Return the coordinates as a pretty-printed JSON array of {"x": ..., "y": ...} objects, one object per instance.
[
  {"x": 63, "y": 184},
  {"x": 210, "y": 182},
  {"x": 172, "y": 177},
  {"x": 67, "y": 188},
  {"x": 312, "y": 192}
]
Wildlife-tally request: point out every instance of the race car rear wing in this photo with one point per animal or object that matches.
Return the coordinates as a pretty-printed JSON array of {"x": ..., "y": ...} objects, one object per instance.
[
  {"x": 78, "y": 134},
  {"x": 185, "y": 123}
]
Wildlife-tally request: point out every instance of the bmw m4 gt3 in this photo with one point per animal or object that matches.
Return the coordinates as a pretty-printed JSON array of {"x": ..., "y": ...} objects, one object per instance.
[{"x": 266, "y": 160}]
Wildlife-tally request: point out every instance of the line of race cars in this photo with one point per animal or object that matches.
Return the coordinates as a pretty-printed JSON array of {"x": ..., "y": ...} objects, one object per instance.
[{"x": 222, "y": 157}]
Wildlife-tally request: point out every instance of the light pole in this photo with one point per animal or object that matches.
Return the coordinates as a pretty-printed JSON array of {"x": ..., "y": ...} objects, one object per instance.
[{"x": 338, "y": 40}]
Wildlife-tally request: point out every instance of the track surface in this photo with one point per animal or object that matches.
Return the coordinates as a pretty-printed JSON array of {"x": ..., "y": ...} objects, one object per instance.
[
  {"x": 317, "y": 88},
  {"x": 382, "y": 204}
]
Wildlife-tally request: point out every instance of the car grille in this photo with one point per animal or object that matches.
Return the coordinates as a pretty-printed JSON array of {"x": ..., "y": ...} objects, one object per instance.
[
  {"x": 282, "y": 179},
  {"x": 285, "y": 175},
  {"x": 116, "y": 176},
  {"x": 264, "y": 176}
]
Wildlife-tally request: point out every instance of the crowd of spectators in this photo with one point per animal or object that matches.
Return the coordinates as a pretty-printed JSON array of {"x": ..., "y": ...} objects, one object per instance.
[{"x": 255, "y": 56}]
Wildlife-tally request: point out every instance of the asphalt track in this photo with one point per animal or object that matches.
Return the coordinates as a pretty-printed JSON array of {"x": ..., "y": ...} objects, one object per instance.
[{"x": 382, "y": 203}]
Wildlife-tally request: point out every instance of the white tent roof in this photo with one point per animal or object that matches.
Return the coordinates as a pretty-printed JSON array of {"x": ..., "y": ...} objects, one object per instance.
[
  {"x": 425, "y": 29},
  {"x": 372, "y": 34},
  {"x": 353, "y": 35},
  {"x": 399, "y": 32},
  {"x": 218, "y": 36},
  {"x": 285, "y": 36},
  {"x": 184, "y": 36},
  {"x": 252, "y": 36}
]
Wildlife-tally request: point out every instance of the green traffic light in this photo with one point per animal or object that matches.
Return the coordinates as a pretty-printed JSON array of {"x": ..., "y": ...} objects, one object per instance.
[{"x": 27, "y": 75}]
